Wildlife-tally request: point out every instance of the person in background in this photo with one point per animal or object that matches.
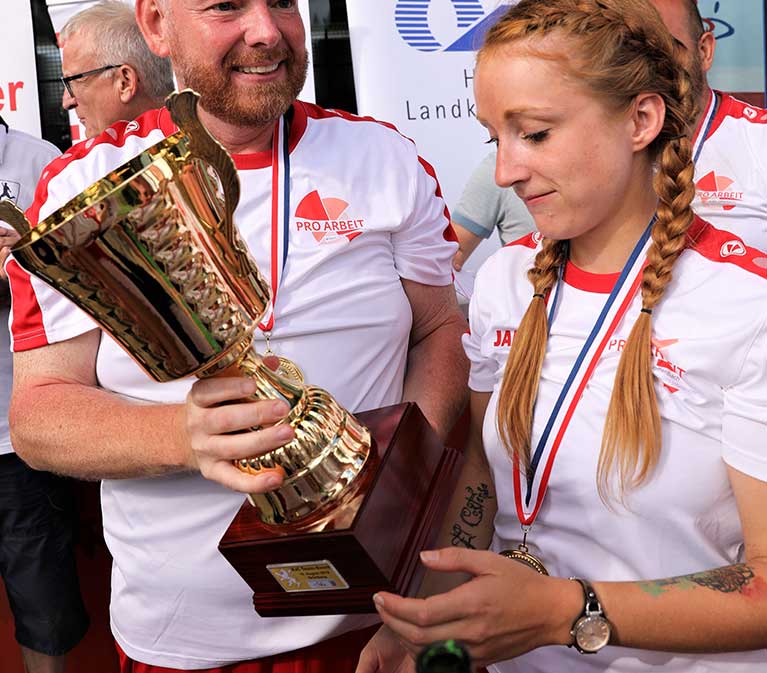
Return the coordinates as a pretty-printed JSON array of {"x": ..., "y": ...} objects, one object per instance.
[
  {"x": 109, "y": 73},
  {"x": 730, "y": 137},
  {"x": 368, "y": 312},
  {"x": 37, "y": 560},
  {"x": 485, "y": 207},
  {"x": 618, "y": 378}
]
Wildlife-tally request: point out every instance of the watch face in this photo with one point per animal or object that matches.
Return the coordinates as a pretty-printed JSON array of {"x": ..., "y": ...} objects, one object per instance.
[{"x": 592, "y": 633}]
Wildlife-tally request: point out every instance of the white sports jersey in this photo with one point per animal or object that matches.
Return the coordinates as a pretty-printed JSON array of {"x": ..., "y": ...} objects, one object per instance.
[
  {"x": 366, "y": 212},
  {"x": 22, "y": 159},
  {"x": 731, "y": 169},
  {"x": 710, "y": 366}
]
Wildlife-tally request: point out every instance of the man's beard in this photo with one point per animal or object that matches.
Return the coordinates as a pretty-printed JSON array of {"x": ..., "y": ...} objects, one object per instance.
[
  {"x": 257, "y": 106},
  {"x": 694, "y": 69}
]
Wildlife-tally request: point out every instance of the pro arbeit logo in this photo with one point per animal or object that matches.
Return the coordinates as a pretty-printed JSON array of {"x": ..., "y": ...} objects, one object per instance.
[
  {"x": 328, "y": 219},
  {"x": 717, "y": 188},
  {"x": 669, "y": 374}
]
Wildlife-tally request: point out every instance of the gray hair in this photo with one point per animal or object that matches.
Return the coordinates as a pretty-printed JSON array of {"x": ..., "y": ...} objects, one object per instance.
[{"x": 116, "y": 40}]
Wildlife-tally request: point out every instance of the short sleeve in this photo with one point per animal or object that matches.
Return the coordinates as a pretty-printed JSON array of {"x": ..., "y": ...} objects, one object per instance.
[
  {"x": 479, "y": 208},
  {"x": 744, "y": 420},
  {"x": 426, "y": 243},
  {"x": 40, "y": 315},
  {"x": 483, "y": 370},
  {"x": 514, "y": 220}
]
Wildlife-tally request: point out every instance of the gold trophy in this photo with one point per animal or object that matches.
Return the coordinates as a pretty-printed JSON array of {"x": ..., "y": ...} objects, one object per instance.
[{"x": 151, "y": 252}]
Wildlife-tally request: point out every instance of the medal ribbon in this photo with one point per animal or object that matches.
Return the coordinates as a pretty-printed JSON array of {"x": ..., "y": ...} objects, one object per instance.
[
  {"x": 280, "y": 214},
  {"x": 705, "y": 126},
  {"x": 612, "y": 313}
]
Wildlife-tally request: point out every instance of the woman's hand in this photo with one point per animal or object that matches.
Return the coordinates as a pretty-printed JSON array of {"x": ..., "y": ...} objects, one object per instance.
[
  {"x": 216, "y": 416},
  {"x": 385, "y": 654},
  {"x": 505, "y": 610}
]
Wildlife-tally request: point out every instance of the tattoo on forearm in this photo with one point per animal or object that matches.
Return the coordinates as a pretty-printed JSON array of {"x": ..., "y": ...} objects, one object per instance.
[
  {"x": 730, "y": 579},
  {"x": 462, "y": 538},
  {"x": 471, "y": 515},
  {"x": 474, "y": 509}
]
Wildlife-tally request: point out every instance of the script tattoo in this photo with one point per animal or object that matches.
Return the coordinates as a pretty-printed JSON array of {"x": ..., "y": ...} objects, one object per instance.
[
  {"x": 471, "y": 515},
  {"x": 727, "y": 580},
  {"x": 462, "y": 538},
  {"x": 474, "y": 509}
]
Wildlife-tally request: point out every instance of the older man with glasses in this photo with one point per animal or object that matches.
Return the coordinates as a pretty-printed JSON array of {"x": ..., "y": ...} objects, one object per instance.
[{"x": 109, "y": 73}]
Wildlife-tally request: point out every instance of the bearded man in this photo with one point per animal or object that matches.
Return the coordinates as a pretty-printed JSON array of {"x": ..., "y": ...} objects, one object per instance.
[
  {"x": 371, "y": 317},
  {"x": 730, "y": 137}
]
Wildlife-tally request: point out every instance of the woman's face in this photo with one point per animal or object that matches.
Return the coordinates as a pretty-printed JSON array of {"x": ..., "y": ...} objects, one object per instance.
[{"x": 563, "y": 151}]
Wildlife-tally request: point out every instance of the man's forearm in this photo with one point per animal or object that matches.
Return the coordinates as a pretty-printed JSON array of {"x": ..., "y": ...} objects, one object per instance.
[
  {"x": 469, "y": 519},
  {"x": 438, "y": 387},
  {"x": 89, "y": 433},
  {"x": 437, "y": 375}
]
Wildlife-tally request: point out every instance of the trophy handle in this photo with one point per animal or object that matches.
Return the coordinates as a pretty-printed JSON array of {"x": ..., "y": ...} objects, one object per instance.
[
  {"x": 13, "y": 215},
  {"x": 183, "y": 110}
]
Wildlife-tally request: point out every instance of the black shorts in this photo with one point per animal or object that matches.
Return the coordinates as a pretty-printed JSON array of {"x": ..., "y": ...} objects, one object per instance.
[{"x": 37, "y": 561}]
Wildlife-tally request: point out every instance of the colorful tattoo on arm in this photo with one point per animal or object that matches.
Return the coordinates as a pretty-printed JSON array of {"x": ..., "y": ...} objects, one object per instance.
[{"x": 727, "y": 580}]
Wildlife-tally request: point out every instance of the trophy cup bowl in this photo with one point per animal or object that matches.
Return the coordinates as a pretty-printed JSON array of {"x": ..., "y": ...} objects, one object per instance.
[{"x": 151, "y": 253}]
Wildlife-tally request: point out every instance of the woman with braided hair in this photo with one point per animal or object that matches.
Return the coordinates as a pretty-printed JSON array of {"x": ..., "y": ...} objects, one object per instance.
[{"x": 619, "y": 379}]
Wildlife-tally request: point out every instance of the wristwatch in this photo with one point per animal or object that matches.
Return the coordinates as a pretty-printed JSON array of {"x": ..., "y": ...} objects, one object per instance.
[{"x": 591, "y": 631}]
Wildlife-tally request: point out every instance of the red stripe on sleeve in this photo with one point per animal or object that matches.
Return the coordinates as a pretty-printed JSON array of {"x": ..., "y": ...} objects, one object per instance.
[
  {"x": 115, "y": 135},
  {"x": 449, "y": 233},
  {"x": 736, "y": 109},
  {"x": 27, "y": 329},
  {"x": 718, "y": 245}
]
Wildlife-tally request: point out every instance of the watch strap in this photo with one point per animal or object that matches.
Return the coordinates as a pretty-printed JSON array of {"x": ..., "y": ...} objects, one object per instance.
[{"x": 592, "y": 606}]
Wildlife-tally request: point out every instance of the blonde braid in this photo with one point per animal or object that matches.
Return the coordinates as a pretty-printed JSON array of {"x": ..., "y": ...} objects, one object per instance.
[
  {"x": 619, "y": 49},
  {"x": 522, "y": 374},
  {"x": 631, "y": 441}
]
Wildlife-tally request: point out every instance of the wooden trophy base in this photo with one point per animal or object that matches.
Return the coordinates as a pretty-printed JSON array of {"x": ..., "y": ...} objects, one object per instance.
[{"x": 368, "y": 543}]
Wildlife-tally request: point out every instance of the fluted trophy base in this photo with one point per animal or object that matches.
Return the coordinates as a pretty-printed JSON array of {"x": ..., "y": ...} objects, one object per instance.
[{"x": 369, "y": 540}]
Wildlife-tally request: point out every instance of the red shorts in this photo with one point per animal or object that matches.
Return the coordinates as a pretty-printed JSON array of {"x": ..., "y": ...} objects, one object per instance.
[{"x": 337, "y": 655}]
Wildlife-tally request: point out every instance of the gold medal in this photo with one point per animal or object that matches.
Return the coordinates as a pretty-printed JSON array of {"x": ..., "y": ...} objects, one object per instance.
[
  {"x": 523, "y": 555},
  {"x": 286, "y": 368},
  {"x": 289, "y": 369}
]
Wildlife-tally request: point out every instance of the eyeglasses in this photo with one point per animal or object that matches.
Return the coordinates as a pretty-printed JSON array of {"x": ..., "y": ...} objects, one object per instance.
[{"x": 66, "y": 81}]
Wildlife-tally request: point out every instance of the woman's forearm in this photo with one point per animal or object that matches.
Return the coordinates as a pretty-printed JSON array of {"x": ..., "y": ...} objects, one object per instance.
[
  {"x": 469, "y": 518},
  {"x": 718, "y": 610}
]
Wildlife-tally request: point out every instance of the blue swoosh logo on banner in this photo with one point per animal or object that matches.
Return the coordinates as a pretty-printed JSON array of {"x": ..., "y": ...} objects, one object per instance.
[
  {"x": 472, "y": 40},
  {"x": 412, "y": 20}
]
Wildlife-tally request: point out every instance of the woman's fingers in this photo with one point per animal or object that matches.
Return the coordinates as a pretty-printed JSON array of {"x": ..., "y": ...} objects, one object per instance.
[{"x": 459, "y": 559}]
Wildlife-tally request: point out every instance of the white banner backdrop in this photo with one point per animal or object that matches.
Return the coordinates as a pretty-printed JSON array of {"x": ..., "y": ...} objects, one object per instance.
[
  {"x": 414, "y": 67},
  {"x": 19, "y": 103},
  {"x": 62, "y": 10}
]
